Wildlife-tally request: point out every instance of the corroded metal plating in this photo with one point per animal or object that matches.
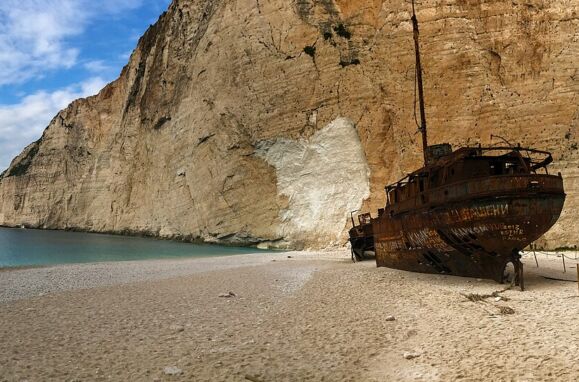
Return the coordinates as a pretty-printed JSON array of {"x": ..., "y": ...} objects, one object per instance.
[{"x": 469, "y": 213}]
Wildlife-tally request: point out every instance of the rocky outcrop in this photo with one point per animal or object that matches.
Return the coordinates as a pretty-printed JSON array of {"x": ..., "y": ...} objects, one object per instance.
[{"x": 250, "y": 121}]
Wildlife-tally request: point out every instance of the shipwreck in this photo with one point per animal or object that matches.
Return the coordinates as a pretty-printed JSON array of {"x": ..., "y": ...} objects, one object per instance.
[{"x": 467, "y": 212}]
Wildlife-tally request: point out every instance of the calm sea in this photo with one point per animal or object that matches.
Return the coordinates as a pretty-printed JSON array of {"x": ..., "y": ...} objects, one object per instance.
[{"x": 23, "y": 247}]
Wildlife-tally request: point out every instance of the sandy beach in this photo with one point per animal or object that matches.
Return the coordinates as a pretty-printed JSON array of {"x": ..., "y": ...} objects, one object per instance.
[{"x": 314, "y": 316}]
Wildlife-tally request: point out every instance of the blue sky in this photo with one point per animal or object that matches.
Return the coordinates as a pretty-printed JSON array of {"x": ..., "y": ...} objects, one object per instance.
[{"x": 54, "y": 51}]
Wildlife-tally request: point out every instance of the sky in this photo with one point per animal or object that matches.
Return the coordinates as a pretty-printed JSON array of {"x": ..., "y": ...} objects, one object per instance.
[{"x": 55, "y": 51}]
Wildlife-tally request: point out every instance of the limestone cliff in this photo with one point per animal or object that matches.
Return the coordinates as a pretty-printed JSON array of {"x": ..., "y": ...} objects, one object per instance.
[{"x": 248, "y": 121}]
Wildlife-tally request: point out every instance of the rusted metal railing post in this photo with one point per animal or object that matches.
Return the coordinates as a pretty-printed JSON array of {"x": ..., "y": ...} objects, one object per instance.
[
  {"x": 521, "y": 277},
  {"x": 564, "y": 268},
  {"x": 535, "y": 254}
]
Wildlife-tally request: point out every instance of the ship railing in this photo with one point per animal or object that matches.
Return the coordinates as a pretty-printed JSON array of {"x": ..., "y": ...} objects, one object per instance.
[
  {"x": 404, "y": 181},
  {"x": 539, "y": 159},
  {"x": 363, "y": 219},
  {"x": 536, "y": 163}
]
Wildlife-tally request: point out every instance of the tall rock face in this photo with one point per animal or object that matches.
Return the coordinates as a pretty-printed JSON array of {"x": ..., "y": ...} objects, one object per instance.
[{"x": 248, "y": 121}]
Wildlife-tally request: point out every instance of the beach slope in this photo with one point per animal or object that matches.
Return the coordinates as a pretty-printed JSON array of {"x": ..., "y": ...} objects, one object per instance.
[{"x": 282, "y": 317}]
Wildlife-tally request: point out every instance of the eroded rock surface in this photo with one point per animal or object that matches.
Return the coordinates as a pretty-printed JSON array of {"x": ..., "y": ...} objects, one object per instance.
[
  {"x": 322, "y": 177},
  {"x": 193, "y": 140}
]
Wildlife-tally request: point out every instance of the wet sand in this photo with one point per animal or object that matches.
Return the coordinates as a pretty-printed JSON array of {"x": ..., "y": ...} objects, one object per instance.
[{"x": 314, "y": 316}]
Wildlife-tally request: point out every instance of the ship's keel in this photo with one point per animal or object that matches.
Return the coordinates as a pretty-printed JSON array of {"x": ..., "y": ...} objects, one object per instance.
[{"x": 477, "y": 265}]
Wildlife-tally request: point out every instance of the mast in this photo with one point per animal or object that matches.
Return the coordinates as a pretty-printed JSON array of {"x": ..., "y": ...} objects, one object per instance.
[{"x": 420, "y": 87}]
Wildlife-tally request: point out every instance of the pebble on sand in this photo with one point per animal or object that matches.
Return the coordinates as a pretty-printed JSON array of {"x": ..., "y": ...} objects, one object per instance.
[
  {"x": 176, "y": 328},
  {"x": 390, "y": 318},
  {"x": 228, "y": 294},
  {"x": 172, "y": 370},
  {"x": 411, "y": 355}
]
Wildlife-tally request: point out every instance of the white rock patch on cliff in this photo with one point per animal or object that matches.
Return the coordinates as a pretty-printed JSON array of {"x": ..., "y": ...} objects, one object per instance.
[{"x": 324, "y": 178}]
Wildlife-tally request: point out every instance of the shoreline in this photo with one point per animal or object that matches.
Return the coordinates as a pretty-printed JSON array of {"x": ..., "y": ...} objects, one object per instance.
[
  {"x": 178, "y": 238},
  {"x": 110, "y": 263},
  {"x": 27, "y": 282},
  {"x": 103, "y": 248},
  {"x": 24, "y": 267}
]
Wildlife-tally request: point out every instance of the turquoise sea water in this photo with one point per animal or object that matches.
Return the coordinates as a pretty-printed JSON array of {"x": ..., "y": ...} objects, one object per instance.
[{"x": 27, "y": 247}]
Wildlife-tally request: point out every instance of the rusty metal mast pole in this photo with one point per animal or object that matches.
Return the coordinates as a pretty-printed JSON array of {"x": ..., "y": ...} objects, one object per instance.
[{"x": 420, "y": 87}]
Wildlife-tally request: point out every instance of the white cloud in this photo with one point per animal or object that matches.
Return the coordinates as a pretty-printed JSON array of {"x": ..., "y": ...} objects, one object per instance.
[
  {"x": 116, "y": 6},
  {"x": 34, "y": 33},
  {"x": 98, "y": 66},
  {"x": 24, "y": 122}
]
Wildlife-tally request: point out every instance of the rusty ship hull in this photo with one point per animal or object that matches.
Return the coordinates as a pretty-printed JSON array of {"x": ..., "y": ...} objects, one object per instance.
[{"x": 471, "y": 228}]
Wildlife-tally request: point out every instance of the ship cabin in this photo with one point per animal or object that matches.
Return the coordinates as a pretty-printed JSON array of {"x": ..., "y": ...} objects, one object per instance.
[{"x": 449, "y": 175}]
